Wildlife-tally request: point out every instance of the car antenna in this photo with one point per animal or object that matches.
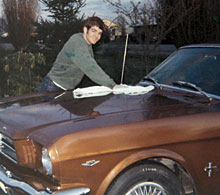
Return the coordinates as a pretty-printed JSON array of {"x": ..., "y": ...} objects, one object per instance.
[{"x": 125, "y": 53}]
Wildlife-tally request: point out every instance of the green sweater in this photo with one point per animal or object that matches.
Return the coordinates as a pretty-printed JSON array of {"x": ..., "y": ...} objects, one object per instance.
[{"x": 75, "y": 60}]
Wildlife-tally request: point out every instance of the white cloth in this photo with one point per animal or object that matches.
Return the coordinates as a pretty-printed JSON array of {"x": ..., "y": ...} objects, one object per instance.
[{"x": 102, "y": 90}]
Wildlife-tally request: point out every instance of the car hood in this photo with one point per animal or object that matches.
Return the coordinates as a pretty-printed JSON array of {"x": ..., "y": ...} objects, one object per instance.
[{"x": 45, "y": 118}]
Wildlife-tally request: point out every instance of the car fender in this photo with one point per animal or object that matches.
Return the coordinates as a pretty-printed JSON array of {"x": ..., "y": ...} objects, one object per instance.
[{"x": 134, "y": 158}]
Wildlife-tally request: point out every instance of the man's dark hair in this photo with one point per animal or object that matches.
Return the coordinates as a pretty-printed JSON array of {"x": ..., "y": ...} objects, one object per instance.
[{"x": 95, "y": 21}]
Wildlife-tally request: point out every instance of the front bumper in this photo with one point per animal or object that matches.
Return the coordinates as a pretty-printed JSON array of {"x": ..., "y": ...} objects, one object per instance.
[{"x": 7, "y": 182}]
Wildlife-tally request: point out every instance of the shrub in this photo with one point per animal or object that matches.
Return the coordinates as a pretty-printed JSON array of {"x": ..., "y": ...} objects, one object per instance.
[{"x": 19, "y": 70}]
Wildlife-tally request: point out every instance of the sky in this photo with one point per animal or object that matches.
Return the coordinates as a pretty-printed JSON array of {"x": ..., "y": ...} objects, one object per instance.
[{"x": 98, "y": 7}]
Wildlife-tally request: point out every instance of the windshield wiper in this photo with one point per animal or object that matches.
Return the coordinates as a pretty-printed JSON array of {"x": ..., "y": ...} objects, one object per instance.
[
  {"x": 153, "y": 80},
  {"x": 192, "y": 86}
]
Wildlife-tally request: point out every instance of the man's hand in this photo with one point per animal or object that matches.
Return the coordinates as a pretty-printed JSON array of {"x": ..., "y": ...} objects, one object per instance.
[{"x": 120, "y": 86}]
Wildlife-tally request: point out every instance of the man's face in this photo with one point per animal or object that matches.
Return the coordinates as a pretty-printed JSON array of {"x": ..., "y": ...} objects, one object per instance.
[{"x": 93, "y": 35}]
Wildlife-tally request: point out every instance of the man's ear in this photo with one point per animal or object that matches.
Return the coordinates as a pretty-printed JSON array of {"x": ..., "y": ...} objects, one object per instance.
[{"x": 85, "y": 30}]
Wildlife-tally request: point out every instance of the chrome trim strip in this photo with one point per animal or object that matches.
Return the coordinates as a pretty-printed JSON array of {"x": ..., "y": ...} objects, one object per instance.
[
  {"x": 10, "y": 182},
  {"x": 8, "y": 146},
  {"x": 8, "y": 157},
  {"x": 79, "y": 191}
]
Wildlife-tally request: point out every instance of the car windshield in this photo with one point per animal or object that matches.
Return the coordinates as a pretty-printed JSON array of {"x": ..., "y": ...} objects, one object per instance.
[{"x": 197, "y": 66}]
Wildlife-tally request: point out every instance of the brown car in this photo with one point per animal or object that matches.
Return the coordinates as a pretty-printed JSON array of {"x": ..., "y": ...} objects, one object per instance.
[{"x": 163, "y": 140}]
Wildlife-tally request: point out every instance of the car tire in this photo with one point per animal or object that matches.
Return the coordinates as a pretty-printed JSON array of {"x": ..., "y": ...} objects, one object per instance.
[{"x": 147, "y": 179}]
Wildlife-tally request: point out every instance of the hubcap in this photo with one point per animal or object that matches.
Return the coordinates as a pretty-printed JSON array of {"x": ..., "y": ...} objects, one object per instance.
[{"x": 146, "y": 188}]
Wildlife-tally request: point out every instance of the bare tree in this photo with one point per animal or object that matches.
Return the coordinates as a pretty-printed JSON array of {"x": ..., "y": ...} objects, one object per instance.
[
  {"x": 154, "y": 16},
  {"x": 2, "y": 25},
  {"x": 20, "y": 15},
  {"x": 201, "y": 25},
  {"x": 122, "y": 24},
  {"x": 151, "y": 21}
]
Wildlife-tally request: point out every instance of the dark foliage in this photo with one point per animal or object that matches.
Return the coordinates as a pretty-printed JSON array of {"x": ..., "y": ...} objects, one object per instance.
[
  {"x": 52, "y": 36},
  {"x": 200, "y": 25}
]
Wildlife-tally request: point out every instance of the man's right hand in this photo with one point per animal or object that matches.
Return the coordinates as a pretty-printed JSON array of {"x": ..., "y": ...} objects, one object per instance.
[{"x": 120, "y": 86}]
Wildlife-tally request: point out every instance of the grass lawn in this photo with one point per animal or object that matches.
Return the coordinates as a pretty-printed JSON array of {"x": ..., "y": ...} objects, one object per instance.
[{"x": 136, "y": 67}]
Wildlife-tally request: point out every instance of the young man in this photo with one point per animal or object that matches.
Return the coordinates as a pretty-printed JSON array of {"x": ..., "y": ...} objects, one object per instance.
[{"x": 76, "y": 60}]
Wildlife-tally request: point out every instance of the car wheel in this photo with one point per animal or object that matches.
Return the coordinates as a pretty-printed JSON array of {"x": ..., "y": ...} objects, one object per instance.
[{"x": 147, "y": 179}]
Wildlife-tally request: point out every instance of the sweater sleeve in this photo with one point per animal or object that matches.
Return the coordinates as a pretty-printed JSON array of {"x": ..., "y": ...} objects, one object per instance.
[{"x": 83, "y": 59}]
